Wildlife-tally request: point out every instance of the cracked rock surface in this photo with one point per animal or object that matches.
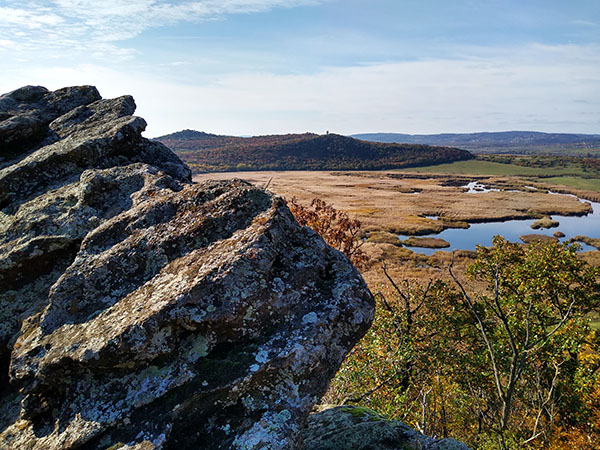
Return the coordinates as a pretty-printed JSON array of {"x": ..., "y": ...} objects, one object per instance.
[{"x": 139, "y": 310}]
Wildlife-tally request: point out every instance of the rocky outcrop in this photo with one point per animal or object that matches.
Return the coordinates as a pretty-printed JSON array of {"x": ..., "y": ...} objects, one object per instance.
[
  {"x": 69, "y": 164},
  {"x": 139, "y": 310},
  {"x": 356, "y": 428}
]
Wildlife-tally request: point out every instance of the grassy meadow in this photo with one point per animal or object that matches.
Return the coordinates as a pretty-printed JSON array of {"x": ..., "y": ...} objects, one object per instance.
[
  {"x": 590, "y": 184},
  {"x": 482, "y": 167},
  {"x": 569, "y": 173}
]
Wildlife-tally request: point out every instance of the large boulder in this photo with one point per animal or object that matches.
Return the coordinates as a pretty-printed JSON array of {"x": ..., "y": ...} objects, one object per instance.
[
  {"x": 356, "y": 428},
  {"x": 139, "y": 310},
  {"x": 87, "y": 163}
]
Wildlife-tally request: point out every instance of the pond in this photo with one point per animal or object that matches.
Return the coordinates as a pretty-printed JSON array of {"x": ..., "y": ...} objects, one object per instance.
[{"x": 512, "y": 230}]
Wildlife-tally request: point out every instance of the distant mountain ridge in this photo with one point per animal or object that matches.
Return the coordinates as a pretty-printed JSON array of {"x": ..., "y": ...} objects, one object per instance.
[
  {"x": 495, "y": 142},
  {"x": 205, "y": 152}
]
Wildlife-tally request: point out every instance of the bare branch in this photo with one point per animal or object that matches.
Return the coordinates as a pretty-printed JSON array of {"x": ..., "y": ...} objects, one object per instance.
[
  {"x": 268, "y": 183},
  {"x": 393, "y": 283},
  {"x": 467, "y": 300},
  {"x": 555, "y": 329},
  {"x": 369, "y": 392},
  {"x": 384, "y": 300},
  {"x": 535, "y": 434}
]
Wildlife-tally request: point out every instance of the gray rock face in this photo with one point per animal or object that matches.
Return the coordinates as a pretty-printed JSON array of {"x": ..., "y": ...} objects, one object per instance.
[
  {"x": 79, "y": 171},
  {"x": 26, "y": 113},
  {"x": 355, "y": 428},
  {"x": 138, "y": 310}
]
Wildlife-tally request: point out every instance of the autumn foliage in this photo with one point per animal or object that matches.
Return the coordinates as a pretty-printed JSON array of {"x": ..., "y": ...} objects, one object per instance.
[
  {"x": 335, "y": 227},
  {"x": 212, "y": 153},
  {"x": 513, "y": 366}
]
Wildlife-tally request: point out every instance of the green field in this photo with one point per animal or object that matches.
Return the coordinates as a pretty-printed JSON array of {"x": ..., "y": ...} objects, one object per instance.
[
  {"x": 570, "y": 175},
  {"x": 478, "y": 167},
  {"x": 591, "y": 184}
]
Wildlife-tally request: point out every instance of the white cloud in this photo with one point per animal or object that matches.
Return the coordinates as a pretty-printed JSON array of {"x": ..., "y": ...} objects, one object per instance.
[
  {"x": 535, "y": 87},
  {"x": 29, "y": 19},
  {"x": 585, "y": 23},
  {"x": 7, "y": 43},
  {"x": 90, "y": 22}
]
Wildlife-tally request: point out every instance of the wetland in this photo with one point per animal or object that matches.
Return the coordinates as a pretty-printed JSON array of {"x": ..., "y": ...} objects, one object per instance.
[
  {"x": 557, "y": 227},
  {"x": 461, "y": 209}
]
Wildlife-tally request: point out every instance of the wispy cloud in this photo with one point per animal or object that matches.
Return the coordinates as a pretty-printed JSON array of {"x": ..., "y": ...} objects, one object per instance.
[
  {"x": 29, "y": 19},
  {"x": 97, "y": 25},
  {"x": 585, "y": 23}
]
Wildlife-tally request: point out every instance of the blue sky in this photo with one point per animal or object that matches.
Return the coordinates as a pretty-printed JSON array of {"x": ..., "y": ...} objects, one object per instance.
[{"x": 249, "y": 67}]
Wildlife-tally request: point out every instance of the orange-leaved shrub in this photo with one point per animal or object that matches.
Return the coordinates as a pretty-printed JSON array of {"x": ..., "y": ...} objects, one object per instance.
[{"x": 335, "y": 227}]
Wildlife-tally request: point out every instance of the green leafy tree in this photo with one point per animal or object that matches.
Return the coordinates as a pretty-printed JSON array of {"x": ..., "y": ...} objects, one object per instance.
[
  {"x": 492, "y": 359},
  {"x": 528, "y": 323},
  {"x": 399, "y": 367}
]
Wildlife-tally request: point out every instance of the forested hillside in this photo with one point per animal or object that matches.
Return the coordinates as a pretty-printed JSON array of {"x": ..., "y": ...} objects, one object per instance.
[{"x": 205, "y": 152}]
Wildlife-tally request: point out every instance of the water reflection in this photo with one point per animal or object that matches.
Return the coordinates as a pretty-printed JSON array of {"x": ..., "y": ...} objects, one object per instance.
[{"x": 512, "y": 230}]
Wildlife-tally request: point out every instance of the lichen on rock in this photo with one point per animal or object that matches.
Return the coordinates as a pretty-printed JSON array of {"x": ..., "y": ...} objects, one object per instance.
[
  {"x": 357, "y": 428},
  {"x": 139, "y": 310}
]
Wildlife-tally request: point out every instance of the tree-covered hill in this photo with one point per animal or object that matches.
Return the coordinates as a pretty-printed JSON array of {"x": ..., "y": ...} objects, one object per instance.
[{"x": 205, "y": 152}]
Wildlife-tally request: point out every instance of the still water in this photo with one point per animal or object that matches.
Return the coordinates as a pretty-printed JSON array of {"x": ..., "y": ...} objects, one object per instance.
[{"x": 482, "y": 233}]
